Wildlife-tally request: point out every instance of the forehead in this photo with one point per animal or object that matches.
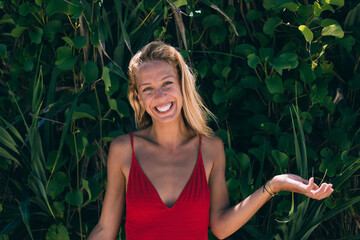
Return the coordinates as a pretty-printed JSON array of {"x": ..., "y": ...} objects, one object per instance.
[{"x": 154, "y": 70}]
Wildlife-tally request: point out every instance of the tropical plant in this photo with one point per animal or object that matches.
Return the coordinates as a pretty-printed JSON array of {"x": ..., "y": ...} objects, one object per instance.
[{"x": 63, "y": 86}]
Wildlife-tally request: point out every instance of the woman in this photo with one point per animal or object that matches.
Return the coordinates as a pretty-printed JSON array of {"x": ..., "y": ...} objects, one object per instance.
[{"x": 171, "y": 173}]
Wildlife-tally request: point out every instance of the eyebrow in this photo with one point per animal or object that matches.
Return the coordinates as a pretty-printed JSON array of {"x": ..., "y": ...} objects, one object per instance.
[{"x": 167, "y": 76}]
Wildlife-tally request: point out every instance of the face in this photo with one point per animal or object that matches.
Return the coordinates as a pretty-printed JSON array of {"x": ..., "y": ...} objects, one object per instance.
[{"x": 159, "y": 91}]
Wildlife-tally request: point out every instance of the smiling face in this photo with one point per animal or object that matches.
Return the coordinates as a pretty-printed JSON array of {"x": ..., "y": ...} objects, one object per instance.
[{"x": 159, "y": 91}]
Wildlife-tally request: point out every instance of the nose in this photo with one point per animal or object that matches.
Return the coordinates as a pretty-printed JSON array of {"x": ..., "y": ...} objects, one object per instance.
[{"x": 160, "y": 93}]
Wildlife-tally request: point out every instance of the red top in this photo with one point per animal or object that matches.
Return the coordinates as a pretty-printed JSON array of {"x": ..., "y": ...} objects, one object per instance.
[{"x": 148, "y": 218}]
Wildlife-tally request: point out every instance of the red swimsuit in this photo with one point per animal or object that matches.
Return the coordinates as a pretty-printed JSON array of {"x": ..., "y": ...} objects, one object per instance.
[{"x": 147, "y": 217}]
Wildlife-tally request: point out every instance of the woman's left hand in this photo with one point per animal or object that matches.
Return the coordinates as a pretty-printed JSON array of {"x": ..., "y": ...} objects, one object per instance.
[{"x": 294, "y": 183}]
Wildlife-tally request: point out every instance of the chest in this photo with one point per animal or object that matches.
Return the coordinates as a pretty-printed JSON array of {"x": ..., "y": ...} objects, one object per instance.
[{"x": 168, "y": 172}]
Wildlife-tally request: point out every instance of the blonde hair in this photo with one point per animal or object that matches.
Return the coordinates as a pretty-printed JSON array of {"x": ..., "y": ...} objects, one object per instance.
[{"x": 194, "y": 112}]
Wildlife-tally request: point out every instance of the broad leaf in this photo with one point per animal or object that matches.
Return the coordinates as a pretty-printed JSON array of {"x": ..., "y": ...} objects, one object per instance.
[
  {"x": 271, "y": 24},
  {"x": 306, "y": 32},
  {"x": 74, "y": 198},
  {"x": 333, "y": 30},
  {"x": 57, "y": 184},
  {"x": 253, "y": 60},
  {"x": 57, "y": 232},
  {"x": 274, "y": 84},
  {"x": 285, "y": 61}
]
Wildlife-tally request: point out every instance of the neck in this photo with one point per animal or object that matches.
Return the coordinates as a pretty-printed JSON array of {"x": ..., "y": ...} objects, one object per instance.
[{"x": 170, "y": 135}]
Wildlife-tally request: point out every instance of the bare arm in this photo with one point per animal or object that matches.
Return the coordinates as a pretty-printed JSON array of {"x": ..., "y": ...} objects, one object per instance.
[
  {"x": 114, "y": 201},
  {"x": 225, "y": 220}
]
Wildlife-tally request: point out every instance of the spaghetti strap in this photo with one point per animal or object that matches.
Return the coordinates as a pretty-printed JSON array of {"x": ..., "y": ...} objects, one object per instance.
[{"x": 132, "y": 143}]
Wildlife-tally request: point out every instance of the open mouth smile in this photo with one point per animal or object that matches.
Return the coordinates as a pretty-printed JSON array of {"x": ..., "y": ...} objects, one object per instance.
[{"x": 164, "y": 108}]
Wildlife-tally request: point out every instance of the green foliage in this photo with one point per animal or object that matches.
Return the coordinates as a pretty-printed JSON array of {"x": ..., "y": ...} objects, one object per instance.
[{"x": 63, "y": 98}]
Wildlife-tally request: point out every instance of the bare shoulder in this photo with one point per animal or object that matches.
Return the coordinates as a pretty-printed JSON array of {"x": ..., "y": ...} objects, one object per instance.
[
  {"x": 213, "y": 148},
  {"x": 120, "y": 152},
  {"x": 212, "y": 143}
]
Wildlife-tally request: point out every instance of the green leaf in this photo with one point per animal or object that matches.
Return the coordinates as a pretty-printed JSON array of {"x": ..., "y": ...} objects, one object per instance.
[
  {"x": 333, "y": 30},
  {"x": 328, "y": 162},
  {"x": 217, "y": 35},
  {"x": 57, "y": 6},
  {"x": 253, "y": 14},
  {"x": 86, "y": 186},
  {"x": 318, "y": 94},
  {"x": 339, "y": 137},
  {"x": 318, "y": 9},
  {"x": 338, "y": 3},
  {"x": 57, "y": 232},
  {"x": 25, "y": 213},
  {"x": 106, "y": 77},
  {"x": 180, "y": 3},
  {"x": 36, "y": 36},
  {"x": 76, "y": 9},
  {"x": 270, "y": 128},
  {"x": 271, "y": 24},
  {"x": 202, "y": 68},
  {"x": 51, "y": 28},
  {"x": 113, "y": 104},
  {"x": 253, "y": 60},
  {"x": 3, "y": 51},
  {"x": 79, "y": 42},
  {"x": 306, "y": 32},
  {"x": 274, "y": 84},
  {"x": 74, "y": 198},
  {"x": 24, "y": 9},
  {"x": 123, "y": 108},
  {"x": 95, "y": 189},
  {"x": 50, "y": 161},
  {"x": 285, "y": 61},
  {"x": 281, "y": 158},
  {"x": 291, "y": 6},
  {"x": 243, "y": 160},
  {"x": 59, "y": 209},
  {"x": 244, "y": 49},
  {"x": 219, "y": 96},
  {"x": 329, "y": 104},
  {"x": 68, "y": 41},
  {"x": 249, "y": 82},
  {"x": 7, "y": 140},
  {"x": 307, "y": 230},
  {"x": 28, "y": 65},
  {"x": 84, "y": 111},
  {"x": 212, "y": 20},
  {"x": 57, "y": 184},
  {"x": 90, "y": 72},
  {"x": 268, "y": 4},
  {"x": 38, "y": 187},
  {"x": 13, "y": 130},
  {"x": 306, "y": 74},
  {"x": 65, "y": 60},
  {"x": 17, "y": 31},
  {"x": 329, "y": 21},
  {"x": 5, "y": 154},
  {"x": 347, "y": 42}
]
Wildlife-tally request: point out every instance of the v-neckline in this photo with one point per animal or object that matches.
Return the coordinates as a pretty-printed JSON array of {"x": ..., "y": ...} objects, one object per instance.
[{"x": 155, "y": 190}]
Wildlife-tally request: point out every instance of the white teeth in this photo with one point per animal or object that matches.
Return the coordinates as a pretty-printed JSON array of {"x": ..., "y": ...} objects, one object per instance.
[{"x": 165, "y": 108}]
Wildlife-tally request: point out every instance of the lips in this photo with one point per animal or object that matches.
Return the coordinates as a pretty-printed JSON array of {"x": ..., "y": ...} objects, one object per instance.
[{"x": 164, "y": 107}]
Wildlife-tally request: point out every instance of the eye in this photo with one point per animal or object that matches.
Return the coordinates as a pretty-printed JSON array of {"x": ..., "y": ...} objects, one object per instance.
[
  {"x": 146, "y": 89},
  {"x": 167, "y": 83}
]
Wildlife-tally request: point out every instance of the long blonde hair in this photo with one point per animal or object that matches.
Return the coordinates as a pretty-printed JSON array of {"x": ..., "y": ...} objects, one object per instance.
[{"x": 195, "y": 114}]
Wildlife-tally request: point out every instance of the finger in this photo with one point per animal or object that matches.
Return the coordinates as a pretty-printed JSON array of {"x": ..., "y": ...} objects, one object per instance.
[
  {"x": 319, "y": 191},
  {"x": 324, "y": 191},
  {"x": 310, "y": 185}
]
